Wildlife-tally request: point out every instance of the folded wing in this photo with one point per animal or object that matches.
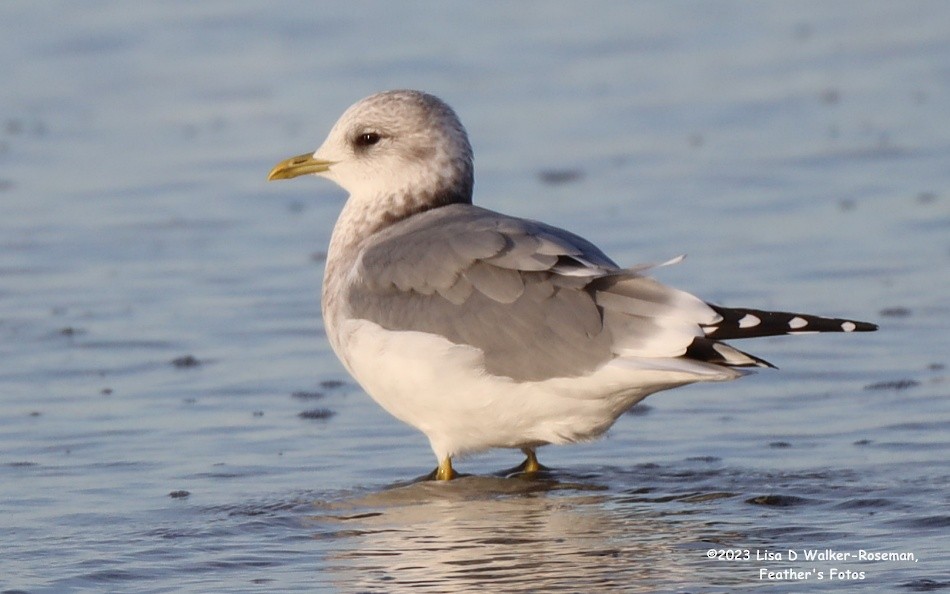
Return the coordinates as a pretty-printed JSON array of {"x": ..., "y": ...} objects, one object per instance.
[{"x": 538, "y": 301}]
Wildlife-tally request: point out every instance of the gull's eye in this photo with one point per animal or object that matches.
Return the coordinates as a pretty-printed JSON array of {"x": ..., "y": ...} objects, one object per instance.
[{"x": 367, "y": 139}]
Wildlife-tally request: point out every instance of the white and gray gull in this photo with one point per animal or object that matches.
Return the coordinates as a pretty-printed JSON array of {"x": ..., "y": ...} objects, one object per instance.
[{"x": 484, "y": 330}]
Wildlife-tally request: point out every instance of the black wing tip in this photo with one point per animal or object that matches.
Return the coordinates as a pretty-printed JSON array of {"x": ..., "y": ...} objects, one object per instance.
[{"x": 752, "y": 323}]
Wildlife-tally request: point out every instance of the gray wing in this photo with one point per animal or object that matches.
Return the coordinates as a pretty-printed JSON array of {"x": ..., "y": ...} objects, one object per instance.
[{"x": 538, "y": 301}]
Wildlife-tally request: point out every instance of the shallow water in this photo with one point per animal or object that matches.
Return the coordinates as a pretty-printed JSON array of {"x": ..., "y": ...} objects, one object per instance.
[{"x": 172, "y": 419}]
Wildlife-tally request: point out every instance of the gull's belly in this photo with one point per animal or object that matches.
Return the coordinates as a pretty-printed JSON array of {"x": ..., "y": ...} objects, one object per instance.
[{"x": 442, "y": 389}]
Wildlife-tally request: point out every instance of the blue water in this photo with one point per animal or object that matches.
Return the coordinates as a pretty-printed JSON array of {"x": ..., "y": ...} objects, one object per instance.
[{"x": 171, "y": 416}]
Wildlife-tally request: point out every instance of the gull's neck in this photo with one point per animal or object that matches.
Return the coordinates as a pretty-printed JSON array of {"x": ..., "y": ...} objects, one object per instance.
[
  {"x": 377, "y": 203},
  {"x": 363, "y": 217}
]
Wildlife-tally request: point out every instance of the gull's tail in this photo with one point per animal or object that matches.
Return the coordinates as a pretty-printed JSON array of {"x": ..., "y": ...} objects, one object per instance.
[{"x": 751, "y": 323}]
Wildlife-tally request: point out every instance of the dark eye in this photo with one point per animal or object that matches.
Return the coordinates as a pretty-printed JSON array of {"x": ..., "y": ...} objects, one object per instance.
[{"x": 367, "y": 139}]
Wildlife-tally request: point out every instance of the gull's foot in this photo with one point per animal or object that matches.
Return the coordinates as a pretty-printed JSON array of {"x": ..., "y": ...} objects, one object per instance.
[
  {"x": 530, "y": 467},
  {"x": 442, "y": 472}
]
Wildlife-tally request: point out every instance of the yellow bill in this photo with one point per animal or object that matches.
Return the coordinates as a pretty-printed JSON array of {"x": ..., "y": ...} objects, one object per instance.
[{"x": 297, "y": 166}]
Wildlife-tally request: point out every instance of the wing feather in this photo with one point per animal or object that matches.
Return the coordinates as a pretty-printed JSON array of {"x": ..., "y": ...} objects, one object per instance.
[{"x": 538, "y": 301}]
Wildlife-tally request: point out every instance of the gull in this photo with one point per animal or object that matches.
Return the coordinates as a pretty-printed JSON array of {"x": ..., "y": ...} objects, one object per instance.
[{"x": 484, "y": 330}]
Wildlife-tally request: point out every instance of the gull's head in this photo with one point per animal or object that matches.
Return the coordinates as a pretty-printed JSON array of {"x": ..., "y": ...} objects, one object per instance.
[{"x": 394, "y": 145}]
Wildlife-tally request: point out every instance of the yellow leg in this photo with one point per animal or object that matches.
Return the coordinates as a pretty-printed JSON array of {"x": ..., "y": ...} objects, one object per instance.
[
  {"x": 531, "y": 463},
  {"x": 444, "y": 472}
]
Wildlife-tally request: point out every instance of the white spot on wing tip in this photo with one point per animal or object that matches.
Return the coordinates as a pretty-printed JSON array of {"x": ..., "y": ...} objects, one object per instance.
[
  {"x": 848, "y": 326},
  {"x": 797, "y": 322},
  {"x": 749, "y": 321}
]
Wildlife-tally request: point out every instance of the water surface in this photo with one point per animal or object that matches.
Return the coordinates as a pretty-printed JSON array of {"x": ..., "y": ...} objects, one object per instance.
[{"x": 172, "y": 419}]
